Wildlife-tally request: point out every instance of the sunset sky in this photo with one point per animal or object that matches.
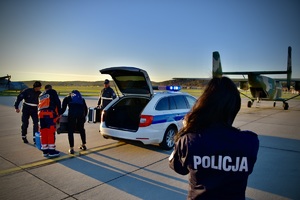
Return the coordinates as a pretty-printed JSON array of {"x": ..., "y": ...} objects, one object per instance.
[{"x": 62, "y": 40}]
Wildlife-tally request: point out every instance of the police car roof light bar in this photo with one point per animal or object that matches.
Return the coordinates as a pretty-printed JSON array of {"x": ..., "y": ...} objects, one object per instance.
[{"x": 174, "y": 88}]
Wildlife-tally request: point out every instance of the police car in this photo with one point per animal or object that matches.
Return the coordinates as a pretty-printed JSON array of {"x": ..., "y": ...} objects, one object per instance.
[{"x": 140, "y": 114}]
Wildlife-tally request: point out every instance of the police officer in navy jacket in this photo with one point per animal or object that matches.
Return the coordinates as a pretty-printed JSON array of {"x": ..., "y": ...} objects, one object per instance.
[
  {"x": 218, "y": 157},
  {"x": 30, "y": 96},
  {"x": 107, "y": 94}
]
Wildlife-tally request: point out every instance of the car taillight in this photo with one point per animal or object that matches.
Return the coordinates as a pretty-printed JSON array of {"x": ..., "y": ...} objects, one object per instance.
[
  {"x": 146, "y": 120},
  {"x": 103, "y": 115}
]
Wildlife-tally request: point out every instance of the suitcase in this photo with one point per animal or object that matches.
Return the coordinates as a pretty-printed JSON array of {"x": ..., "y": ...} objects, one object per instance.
[
  {"x": 62, "y": 125},
  {"x": 94, "y": 114}
]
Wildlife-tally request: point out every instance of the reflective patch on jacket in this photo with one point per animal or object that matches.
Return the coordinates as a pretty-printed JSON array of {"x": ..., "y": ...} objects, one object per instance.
[{"x": 44, "y": 101}]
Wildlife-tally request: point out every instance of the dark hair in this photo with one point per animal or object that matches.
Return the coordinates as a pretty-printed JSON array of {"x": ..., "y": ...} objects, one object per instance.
[
  {"x": 106, "y": 81},
  {"x": 47, "y": 87},
  {"x": 219, "y": 104},
  {"x": 37, "y": 84},
  {"x": 75, "y": 91}
]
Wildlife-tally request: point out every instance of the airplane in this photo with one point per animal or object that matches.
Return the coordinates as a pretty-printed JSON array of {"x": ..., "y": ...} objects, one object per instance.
[
  {"x": 261, "y": 87},
  {"x": 7, "y": 84}
]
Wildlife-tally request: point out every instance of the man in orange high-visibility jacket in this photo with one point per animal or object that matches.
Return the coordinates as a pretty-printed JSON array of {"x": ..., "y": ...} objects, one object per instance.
[{"x": 49, "y": 107}]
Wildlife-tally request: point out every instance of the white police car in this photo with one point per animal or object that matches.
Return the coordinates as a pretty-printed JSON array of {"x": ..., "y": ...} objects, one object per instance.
[{"x": 140, "y": 114}]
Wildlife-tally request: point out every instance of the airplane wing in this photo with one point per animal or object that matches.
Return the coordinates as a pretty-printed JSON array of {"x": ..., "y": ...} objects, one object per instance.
[
  {"x": 284, "y": 79},
  {"x": 207, "y": 79},
  {"x": 5, "y": 77},
  {"x": 217, "y": 68}
]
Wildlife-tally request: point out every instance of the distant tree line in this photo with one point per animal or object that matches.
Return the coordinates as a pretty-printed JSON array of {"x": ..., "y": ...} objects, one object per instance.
[{"x": 184, "y": 83}]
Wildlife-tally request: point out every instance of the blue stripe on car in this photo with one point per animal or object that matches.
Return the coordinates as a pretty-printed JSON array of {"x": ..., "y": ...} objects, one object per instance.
[{"x": 157, "y": 119}]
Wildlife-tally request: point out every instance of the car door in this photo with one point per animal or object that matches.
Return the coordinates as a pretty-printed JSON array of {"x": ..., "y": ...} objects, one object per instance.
[{"x": 182, "y": 108}]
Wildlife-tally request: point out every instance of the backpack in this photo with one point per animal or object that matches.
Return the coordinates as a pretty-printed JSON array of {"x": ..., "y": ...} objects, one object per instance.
[{"x": 76, "y": 97}]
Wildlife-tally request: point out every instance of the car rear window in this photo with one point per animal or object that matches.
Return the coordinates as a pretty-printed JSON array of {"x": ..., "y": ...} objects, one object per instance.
[
  {"x": 132, "y": 84},
  {"x": 180, "y": 102},
  {"x": 172, "y": 103},
  {"x": 163, "y": 104},
  {"x": 191, "y": 101},
  {"x": 175, "y": 102}
]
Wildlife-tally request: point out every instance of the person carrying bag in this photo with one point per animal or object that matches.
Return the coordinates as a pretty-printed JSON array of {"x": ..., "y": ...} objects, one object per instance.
[{"x": 76, "y": 117}]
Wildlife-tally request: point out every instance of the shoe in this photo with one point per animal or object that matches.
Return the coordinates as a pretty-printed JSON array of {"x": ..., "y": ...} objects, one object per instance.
[
  {"x": 83, "y": 147},
  {"x": 24, "y": 139},
  {"x": 46, "y": 152},
  {"x": 45, "y": 155},
  {"x": 53, "y": 153},
  {"x": 71, "y": 151}
]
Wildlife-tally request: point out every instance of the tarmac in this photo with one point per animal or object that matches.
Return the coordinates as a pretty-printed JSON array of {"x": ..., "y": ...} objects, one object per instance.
[{"x": 112, "y": 169}]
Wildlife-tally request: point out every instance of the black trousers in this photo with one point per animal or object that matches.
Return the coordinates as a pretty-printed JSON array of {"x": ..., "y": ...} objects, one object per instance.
[
  {"x": 27, "y": 112},
  {"x": 76, "y": 123}
]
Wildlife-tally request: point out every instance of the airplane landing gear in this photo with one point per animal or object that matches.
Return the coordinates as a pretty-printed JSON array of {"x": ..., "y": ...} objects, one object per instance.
[{"x": 285, "y": 105}]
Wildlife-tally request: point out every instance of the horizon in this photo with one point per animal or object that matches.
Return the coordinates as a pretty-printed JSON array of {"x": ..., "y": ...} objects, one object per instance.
[{"x": 173, "y": 79}]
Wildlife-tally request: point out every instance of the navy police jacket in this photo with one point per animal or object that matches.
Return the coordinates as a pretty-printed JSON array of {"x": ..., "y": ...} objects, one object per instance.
[
  {"x": 75, "y": 109},
  {"x": 30, "y": 97},
  {"x": 218, "y": 160},
  {"x": 106, "y": 96}
]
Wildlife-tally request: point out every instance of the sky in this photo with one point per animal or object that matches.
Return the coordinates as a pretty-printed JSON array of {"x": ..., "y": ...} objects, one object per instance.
[{"x": 65, "y": 40}]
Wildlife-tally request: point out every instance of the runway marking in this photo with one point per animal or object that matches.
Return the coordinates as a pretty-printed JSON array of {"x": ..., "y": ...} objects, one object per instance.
[
  {"x": 55, "y": 160},
  {"x": 260, "y": 194}
]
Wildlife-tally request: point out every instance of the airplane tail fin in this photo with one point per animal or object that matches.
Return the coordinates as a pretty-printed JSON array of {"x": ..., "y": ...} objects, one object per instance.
[
  {"x": 289, "y": 67},
  {"x": 217, "y": 67}
]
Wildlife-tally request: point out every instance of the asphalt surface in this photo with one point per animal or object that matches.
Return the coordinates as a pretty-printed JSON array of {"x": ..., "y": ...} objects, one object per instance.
[{"x": 112, "y": 169}]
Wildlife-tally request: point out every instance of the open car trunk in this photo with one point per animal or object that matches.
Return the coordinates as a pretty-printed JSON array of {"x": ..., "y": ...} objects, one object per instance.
[
  {"x": 130, "y": 80},
  {"x": 125, "y": 114}
]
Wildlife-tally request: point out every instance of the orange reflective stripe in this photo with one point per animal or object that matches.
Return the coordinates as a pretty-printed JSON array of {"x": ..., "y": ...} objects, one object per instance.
[
  {"x": 42, "y": 113},
  {"x": 44, "y": 101}
]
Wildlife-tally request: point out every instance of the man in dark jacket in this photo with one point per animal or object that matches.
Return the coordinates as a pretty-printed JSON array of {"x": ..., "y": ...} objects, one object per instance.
[
  {"x": 107, "y": 94},
  {"x": 76, "y": 117},
  {"x": 49, "y": 109},
  {"x": 30, "y": 108}
]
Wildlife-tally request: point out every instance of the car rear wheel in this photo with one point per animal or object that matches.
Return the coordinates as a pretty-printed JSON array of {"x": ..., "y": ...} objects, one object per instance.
[{"x": 168, "y": 141}]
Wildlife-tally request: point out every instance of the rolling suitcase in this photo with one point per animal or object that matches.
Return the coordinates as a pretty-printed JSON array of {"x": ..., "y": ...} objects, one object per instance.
[
  {"x": 94, "y": 114},
  {"x": 62, "y": 125}
]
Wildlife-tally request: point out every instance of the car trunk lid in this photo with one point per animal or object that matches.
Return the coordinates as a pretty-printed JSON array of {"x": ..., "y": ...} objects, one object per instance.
[{"x": 130, "y": 80}]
